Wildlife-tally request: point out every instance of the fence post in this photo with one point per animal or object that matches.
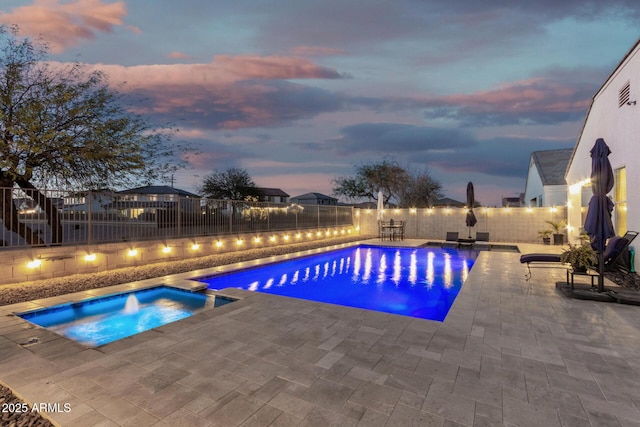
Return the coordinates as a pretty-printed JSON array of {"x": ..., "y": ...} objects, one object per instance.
[
  {"x": 179, "y": 216},
  {"x": 90, "y": 217}
]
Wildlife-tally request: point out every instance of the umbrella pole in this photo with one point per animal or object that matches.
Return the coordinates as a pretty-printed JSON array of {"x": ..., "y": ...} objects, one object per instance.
[{"x": 601, "y": 271}]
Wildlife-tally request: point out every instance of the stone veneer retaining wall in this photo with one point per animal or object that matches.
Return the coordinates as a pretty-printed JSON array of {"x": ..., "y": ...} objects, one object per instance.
[{"x": 66, "y": 260}]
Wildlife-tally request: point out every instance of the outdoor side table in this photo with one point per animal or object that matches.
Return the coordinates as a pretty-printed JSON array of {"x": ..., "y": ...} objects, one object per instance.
[{"x": 588, "y": 273}]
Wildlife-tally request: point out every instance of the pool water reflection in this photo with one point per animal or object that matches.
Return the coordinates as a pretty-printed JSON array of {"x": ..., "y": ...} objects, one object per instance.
[{"x": 417, "y": 282}]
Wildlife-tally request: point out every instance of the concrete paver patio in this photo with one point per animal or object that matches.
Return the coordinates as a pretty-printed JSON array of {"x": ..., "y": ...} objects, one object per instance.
[{"x": 510, "y": 352}]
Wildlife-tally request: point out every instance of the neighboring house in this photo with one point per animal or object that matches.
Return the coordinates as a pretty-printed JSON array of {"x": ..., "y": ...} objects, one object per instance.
[
  {"x": 145, "y": 201},
  {"x": 545, "y": 181},
  {"x": 274, "y": 195},
  {"x": 98, "y": 201},
  {"x": 513, "y": 202},
  {"x": 613, "y": 116},
  {"x": 314, "y": 199}
]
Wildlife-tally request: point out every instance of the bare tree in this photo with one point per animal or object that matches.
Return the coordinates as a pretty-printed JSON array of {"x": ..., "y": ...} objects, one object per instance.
[{"x": 232, "y": 184}]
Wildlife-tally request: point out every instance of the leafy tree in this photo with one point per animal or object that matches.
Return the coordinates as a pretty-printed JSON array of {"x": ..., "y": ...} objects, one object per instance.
[
  {"x": 232, "y": 184},
  {"x": 64, "y": 126}
]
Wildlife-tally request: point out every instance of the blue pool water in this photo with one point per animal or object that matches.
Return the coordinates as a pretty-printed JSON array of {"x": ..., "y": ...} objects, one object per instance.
[
  {"x": 105, "y": 319},
  {"x": 417, "y": 282}
]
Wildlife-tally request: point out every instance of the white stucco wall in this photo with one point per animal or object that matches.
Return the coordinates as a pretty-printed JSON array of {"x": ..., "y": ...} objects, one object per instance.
[
  {"x": 555, "y": 195},
  {"x": 620, "y": 129},
  {"x": 552, "y": 195},
  {"x": 533, "y": 188}
]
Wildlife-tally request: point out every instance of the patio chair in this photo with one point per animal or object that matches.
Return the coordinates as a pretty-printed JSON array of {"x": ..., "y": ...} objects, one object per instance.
[
  {"x": 398, "y": 232},
  {"x": 384, "y": 230},
  {"x": 482, "y": 240},
  {"x": 451, "y": 239}
]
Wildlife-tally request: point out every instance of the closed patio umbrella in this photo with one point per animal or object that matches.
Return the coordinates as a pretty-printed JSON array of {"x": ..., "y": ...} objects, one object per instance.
[
  {"x": 471, "y": 217},
  {"x": 598, "y": 223},
  {"x": 380, "y": 211}
]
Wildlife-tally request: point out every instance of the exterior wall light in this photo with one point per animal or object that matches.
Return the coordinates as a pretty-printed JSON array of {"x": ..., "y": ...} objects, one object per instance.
[
  {"x": 218, "y": 243},
  {"x": 195, "y": 246},
  {"x": 166, "y": 249},
  {"x": 132, "y": 252},
  {"x": 90, "y": 257}
]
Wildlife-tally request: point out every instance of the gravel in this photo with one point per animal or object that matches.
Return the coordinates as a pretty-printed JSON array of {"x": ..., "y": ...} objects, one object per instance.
[
  {"x": 27, "y": 291},
  {"x": 15, "y": 413}
]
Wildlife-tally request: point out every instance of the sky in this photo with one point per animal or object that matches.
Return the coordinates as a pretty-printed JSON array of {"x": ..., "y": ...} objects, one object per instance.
[{"x": 299, "y": 93}]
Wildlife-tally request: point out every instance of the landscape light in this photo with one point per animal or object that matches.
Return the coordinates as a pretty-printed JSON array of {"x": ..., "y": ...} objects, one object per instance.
[
  {"x": 132, "y": 252},
  {"x": 272, "y": 238},
  {"x": 286, "y": 237},
  {"x": 90, "y": 257},
  {"x": 239, "y": 242},
  {"x": 35, "y": 263},
  {"x": 166, "y": 249},
  {"x": 298, "y": 235},
  {"x": 529, "y": 210},
  {"x": 195, "y": 246},
  {"x": 218, "y": 243},
  {"x": 256, "y": 239}
]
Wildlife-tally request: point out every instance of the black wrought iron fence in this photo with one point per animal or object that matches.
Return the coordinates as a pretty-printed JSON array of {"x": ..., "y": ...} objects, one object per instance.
[{"x": 45, "y": 218}]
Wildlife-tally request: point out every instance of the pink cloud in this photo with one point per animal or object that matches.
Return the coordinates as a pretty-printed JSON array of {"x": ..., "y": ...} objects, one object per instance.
[
  {"x": 178, "y": 55},
  {"x": 66, "y": 24},
  {"x": 203, "y": 161},
  {"x": 222, "y": 70},
  {"x": 527, "y": 95},
  {"x": 272, "y": 67}
]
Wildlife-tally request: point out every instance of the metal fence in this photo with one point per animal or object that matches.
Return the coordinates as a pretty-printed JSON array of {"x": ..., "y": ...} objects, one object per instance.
[{"x": 77, "y": 218}]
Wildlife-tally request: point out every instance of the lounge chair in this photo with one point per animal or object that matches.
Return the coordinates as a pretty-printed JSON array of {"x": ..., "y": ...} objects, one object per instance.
[
  {"x": 451, "y": 239},
  {"x": 616, "y": 246},
  {"x": 482, "y": 240}
]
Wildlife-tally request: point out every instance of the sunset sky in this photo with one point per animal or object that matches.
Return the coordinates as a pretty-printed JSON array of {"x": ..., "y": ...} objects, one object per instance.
[{"x": 300, "y": 92}]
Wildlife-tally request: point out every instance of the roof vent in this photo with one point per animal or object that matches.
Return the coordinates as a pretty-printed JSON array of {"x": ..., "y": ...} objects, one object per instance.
[{"x": 624, "y": 94}]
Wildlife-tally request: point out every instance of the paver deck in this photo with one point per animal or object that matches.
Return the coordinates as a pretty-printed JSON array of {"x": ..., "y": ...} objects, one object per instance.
[{"x": 510, "y": 352}]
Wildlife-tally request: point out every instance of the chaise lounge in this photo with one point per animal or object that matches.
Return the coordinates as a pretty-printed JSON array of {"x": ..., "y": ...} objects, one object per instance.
[{"x": 612, "y": 252}]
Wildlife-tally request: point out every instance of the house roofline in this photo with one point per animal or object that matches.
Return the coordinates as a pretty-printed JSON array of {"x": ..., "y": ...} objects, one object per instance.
[{"x": 593, "y": 98}]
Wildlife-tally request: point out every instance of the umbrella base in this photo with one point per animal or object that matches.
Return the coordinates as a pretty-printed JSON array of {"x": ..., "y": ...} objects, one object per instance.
[
  {"x": 584, "y": 292},
  {"x": 622, "y": 296}
]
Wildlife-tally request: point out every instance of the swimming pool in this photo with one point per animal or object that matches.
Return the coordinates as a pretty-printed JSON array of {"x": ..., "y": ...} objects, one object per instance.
[
  {"x": 417, "y": 282},
  {"x": 109, "y": 318}
]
